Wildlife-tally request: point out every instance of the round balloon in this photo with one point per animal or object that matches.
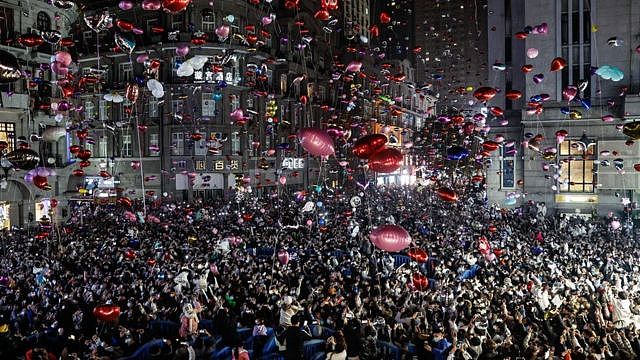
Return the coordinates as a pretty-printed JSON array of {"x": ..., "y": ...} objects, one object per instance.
[
  {"x": 24, "y": 159},
  {"x": 386, "y": 160},
  {"x": 316, "y": 142},
  {"x": 368, "y": 145},
  {"x": 392, "y": 238},
  {"x": 447, "y": 194},
  {"x": 9, "y": 68}
]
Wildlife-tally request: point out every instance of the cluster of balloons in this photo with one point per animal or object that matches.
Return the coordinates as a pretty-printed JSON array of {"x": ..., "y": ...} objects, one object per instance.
[
  {"x": 380, "y": 158},
  {"x": 39, "y": 177}
]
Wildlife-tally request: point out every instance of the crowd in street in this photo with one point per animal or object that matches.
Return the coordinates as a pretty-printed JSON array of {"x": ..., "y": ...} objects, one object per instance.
[{"x": 503, "y": 283}]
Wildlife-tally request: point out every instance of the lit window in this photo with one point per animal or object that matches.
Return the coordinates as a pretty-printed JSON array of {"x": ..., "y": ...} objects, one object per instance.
[
  {"x": 154, "y": 143},
  {"x": 576, "y": 161},
  {"x": 126, "y": 145},
  {"x": 8, "y": 134},
  {"x": 208, "y": 22},
  {"x": 126, "y": 72},
  {"x": 208, "y": 105},
  {"x": 235, "y": 143}
]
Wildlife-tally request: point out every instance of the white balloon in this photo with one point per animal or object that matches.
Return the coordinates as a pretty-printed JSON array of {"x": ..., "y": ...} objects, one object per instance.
[
  {"x": 198, "y": 62},
  {"x": 117, "y": 98},
  {"x": 185, "y": 69},
  {"x": 154, "y": 85},
  {"x": 158, "y": 94}
]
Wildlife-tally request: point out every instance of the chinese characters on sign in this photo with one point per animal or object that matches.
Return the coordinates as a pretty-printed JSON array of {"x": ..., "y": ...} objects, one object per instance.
[
  {"x": 217, "y": 165},
  {"x": 293, "y": 163}
]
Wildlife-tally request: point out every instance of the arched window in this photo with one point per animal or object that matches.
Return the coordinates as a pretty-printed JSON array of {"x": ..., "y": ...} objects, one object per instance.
[{"x": 43, "y": 21}]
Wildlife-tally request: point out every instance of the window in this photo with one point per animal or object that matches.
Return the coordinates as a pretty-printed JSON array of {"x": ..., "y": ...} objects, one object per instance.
[
  {"x": 208, "y": 105},
  {"x": 177, "y": 143},
  {"x": 126, "y": 104},
  {"x": 575, "y": 29},
  {"x": 208, "y": 22},
  {"x": 177, "y": 20},
  {"x": 6, "y": 23},
  {"x": 43, "y": 22},
  {"x": 104, "y": 107},
  {"x": 126, "y": 145},
  {"x": 102, "y": 147},
  {"x": 235, "y": 102},
  {"x": 154, "y": 143},
  {"x": 576, "y": 161},
  {"x": 235, "y": 143},
  {"x": 250, "y": 146},
  {"x": 150, "y": 24},
  {"x": 177, "y": 107},
  {"x": 153, "y": 107},
  {"x": 89, "y": 109},
  {"x": 200, "y": 147},
  {"x": 126, "y": 72},
  {"x": 8, "y": 134},
  {"x": 508, "y": 171}
]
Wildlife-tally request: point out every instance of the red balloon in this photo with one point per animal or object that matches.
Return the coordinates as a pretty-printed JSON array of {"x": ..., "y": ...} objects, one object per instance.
[
  {"x": 66, "y": 89},
  {"x": 84, "y": 154},
  {"x": 283, "y": 257},
  {"x": 513, "y": 95},
  {"x": 175, "y": 6},
  {"x": 329, "y": 4},
  {"x": 107, "y": 313},
  {"x": 526, "y": 68},
  {"x": 558, "y": 64},
  {"x": 291, "y": 4},
  {"x": 496, "y": 111},
  {"x": 420, "y": 281},
  {"x": 124, "y": 25},
  {"x": 322, "y": 15},
  {"x": 41, "y": 182},
  {"x": 418, "y": 255},
  {"x": 132, "y": 91},
  {"x": 484, "y": 93},
  {"x": 392, "y": 238},
  {"x": 125, "y": 201},
  {"x": 54, "y": 203},
  {"x": 316, "y": 142},
  {"x": 447, "y": 194},
  {"x": 77, "y": 172},
  {"x": 386, "y": 160},
  {"x": 490, "y": 145},
  {"x": 385, "y": 18},
  {"x": 374, "y": 30},
  {"x": 247, "y": 217},
  {"x": 30, "y": 40},
  {"x": 368, "y": 145},
  {"x": 130, "y": 254}
]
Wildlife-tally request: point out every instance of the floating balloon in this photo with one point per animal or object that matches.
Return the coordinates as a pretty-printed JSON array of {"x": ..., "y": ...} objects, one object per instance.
[
  {"x": 532, "y": 53},
  {"x": 24, "y": 159},
  {"x": 182, "y": 50},
  {"x": 51, "y": 37},
  {"x": 569, "y": 92},
  {"x": 9, "y": 68},
  {"x": 447, "y": 194},
  {"x": 132, "y": 91},
  {"x": 283, "y": 257},
  {"x": 151, "y": 5},
  {"x": 392, "y": 238},
  {"x": 558, "y": 64},
  {"x": 632, "y": 130},
  {"x": 484, "y": 93},
  {"x": 175, "y": 6},
  {"x": 107, "y": 313},
  {"x": 609, "y": 72},
  {"x": 420, "y": 282},
  {"x": 418, "y": 255},
  {"x": 368, "y": 145},
  {"x": 124, "y": 44},
  {"x": 30, "y": 40},
  {"x": 386, "y": 160},
  {"x": 316, "y": 142},
  {"x": 222, "y": 32},
  {"x": 99, "y": 21}
]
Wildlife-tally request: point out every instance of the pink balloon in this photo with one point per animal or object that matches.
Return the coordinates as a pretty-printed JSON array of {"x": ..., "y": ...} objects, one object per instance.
[
  {"x": 125, "y": 5},
  {"x": 140, "y": 59},
  {"x": 63, "y": 58},
  {"x": 138, "y": 31},
  {"x": 266, "y": 20},
  {"x": 392, "y": 238},
  {"x": 182, "y": 50},
  {"x": 532, "y": 53},
  {"x": 570, "y": 92},
  {"x": 283, "y": 257},
  {"x": 59, "y": 69},
  {"x": 354, "y": 66},
  {"x": 151, "y": 5},
  {"x": 283, "y": 180},
  {"x": 315, "y": 141},
  {"x": 237, "y": 115},
  {"x": 615, "y": 225},
  {"x": 223, "y": 32}
]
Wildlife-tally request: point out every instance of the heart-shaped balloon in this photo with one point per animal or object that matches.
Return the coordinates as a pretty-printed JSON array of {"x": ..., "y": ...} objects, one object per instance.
[{"x": 51, "y": 37}]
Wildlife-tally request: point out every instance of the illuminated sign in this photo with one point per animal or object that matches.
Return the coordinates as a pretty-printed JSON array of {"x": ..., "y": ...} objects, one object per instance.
[{"x": 292, "y": 163}]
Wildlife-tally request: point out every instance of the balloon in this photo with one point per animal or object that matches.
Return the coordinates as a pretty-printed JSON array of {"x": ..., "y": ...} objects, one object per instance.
[
  {"x": 63, "y": 4},
  {"x": 52, "y": 36},
  {"x": 98, "y": 21},
  {"x": 609, "y": 72},
  {"x": 41, "y": 182},
  {"x": 490, "y": 146},
  {"x": 59, "y": 69},
  {"x": 392, "y": 238},
  {"x": 386, "y": 160},
  {"x": 420, "y": 282},
  {"x": 569, "y": 92},
  {"x": 182, "y": 50},
  {"x": 632, "y": 130},
  {"x": 132, "y": 91},
  {"x": 107, "y": 313},
  {"x": 513, "y": 95},
  {"x": 456, "y": 153},
  {"x": 447, "y": 194},
  {"x": 151, "y": 5},
  {"x": 484, "y": 93},
  {"x": 124, "y": 44},
  {"x": 532, "y": 53},
  {"x": 368, "y": 145},
  {"x": 222, "y": 32},
  {"x": 354, "y": 66},
  {"x": 53, "y": 133},
  {"x": 316, "y": 142},
  {"x": 282, "y": 180},
  {"x": 125, "y": 5},
  {"x": 25, "y": 159},
  {"x": 175, "y": 6},
  {"x": 418, "y": 255},
  {"x": 185, "y": 69},
  {"x": 283, "y": 257},
  {"x": 9, "y": 68},
  {"x": 615, "y": 225},
  {"x": 558, "y": 64},
  {"x": 30, "y": 40},
  {"x": 538, "y": 78},
  {"x": 385, "y": 18}
]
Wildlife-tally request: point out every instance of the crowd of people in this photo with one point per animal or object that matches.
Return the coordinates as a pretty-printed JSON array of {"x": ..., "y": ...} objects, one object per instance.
[{"x": 503, "y": 283}]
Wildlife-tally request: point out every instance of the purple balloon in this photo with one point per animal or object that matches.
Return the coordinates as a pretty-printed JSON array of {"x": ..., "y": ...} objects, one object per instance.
[
  {"x": 182, "y": 50},
  {"x": 125, "y": 5},
  {"x": 316, "y": 142},
  {"x": 538, "y": 78},
  {"x": 392, "y": 238},
  {"x": 59, "y": 68}
]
